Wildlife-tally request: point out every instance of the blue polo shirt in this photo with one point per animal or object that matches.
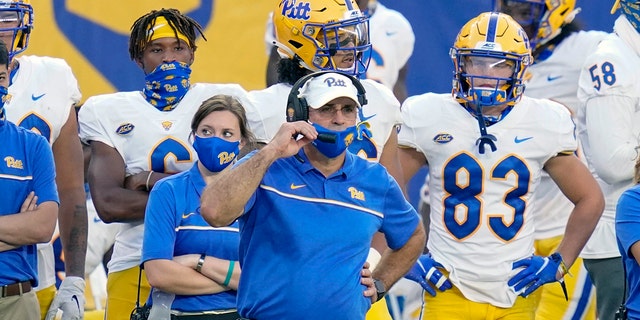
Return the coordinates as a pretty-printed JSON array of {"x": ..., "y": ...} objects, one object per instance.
[
  {"x": 628, "y": 233},
  {"x": 26, "y": 164},
  {"x": 304, "y": 238},
  {"x": 174, "y": 227}
]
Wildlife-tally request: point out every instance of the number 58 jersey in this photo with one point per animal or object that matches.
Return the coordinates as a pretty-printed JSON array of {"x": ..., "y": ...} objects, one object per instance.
[{"x": 481, "y": 204}]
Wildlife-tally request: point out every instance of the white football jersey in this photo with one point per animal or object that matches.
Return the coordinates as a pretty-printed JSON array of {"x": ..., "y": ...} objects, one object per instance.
[
  {"x": 147, "y": 139},
  {"x": 380, "y": 115},
  {"x": 556, "y": 78},
  {"x": 392, "y": 40},
  {"x": 612, "y": 72},
  {"x": 482, "y": 204},
  {"x": 42, "y": 93}
]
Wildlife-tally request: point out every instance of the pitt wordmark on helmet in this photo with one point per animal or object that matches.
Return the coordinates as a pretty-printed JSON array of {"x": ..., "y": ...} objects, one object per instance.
[
  {"x": 543, "y": 19},
  {"x": 16, "y": 17},
  {"x": 323, "y": 34}
]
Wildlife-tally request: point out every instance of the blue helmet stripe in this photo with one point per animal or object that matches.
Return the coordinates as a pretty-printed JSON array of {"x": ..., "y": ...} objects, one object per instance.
[
  {"x": 348, "y": 3},
  {"x": 491, "y": 28}
]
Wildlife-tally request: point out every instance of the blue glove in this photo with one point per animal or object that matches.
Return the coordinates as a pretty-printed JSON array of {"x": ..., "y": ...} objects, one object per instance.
[
  {"x": 426, "y": 269},
  {"x": 537, "y": 271}
]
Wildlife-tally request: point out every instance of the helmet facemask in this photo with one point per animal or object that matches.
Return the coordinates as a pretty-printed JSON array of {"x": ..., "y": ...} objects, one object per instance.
[
  {"x": 16, "y": 22},
  {"x": 487, "y": 78},
  {"x": 341, "y": 46},
  {"x": 490, "y": 56},
  {"x": 323, "y": 35}
]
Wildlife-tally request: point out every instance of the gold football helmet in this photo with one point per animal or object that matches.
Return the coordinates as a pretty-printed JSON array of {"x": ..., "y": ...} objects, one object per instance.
[{"x": 319, "y": 33}]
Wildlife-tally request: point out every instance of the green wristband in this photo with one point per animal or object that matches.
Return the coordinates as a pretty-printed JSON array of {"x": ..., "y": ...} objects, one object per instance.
[{"x": 229, "y": 273}]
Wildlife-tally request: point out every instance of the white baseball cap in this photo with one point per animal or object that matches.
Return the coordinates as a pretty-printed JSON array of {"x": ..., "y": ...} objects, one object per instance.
[{"x": 326, "y": 87}]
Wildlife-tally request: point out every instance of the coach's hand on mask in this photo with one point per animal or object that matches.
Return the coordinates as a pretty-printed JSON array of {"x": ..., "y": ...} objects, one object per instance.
[
  {"x": 425, "y": 272},
  {"x": 69, "y": 299}
]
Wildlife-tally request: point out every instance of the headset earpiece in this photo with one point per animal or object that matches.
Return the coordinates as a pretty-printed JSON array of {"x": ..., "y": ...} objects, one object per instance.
[{"x": 297, "y": 107}]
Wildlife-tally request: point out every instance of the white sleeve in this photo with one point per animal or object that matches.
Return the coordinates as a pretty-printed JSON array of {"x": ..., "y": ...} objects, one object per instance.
[
  {"x": 610, "y": 122},
  {"x": 269, "y": 34}
]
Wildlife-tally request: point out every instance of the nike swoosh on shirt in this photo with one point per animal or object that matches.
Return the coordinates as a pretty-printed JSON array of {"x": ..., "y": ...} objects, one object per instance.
[
  {"x": 36, "y": 98},
  {"x": 293, "y": 186},
  {"x": 516, "y": 140},
  {"x": 552, "y": 78},
  {"x": 184, "y": 216}
]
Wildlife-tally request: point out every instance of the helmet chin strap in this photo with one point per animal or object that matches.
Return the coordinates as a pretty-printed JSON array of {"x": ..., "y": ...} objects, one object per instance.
[{"x": 485, "y": 97}]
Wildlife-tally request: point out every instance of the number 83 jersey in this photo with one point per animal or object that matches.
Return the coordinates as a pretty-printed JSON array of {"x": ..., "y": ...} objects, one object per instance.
[{"x": 481, "y": 204}]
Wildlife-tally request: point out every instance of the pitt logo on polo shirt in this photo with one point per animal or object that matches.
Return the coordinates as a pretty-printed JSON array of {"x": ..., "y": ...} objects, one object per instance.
[
  {"x": 355, "y": 194},
  {"x": 13, "y": 163}
]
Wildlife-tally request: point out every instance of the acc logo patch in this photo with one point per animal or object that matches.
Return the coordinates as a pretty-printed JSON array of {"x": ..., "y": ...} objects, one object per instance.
[
  {"x": 125, "y": 128},
  {"x": 443, "y": 138}
]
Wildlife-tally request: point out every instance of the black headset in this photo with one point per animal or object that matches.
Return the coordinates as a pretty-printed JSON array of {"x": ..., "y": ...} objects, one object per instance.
[{"x": 299, "y": 105}]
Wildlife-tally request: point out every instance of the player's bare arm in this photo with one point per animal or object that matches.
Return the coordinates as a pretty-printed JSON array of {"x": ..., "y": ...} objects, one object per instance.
[
  {"x": 412, "y": 160},
  {"x": 106, "y": 176},
  {"x": 578, "y": 185},
  {"x": 400, "y": 88},
  {"x": 72, "y": 216},
  {"x": 391, "y": 160}
]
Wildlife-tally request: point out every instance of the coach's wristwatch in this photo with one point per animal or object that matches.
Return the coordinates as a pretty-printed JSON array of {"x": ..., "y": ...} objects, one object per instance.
[{"x": 380, "y": 289}]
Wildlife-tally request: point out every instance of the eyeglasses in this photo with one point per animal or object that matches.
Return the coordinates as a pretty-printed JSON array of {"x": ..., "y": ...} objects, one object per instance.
[{"x": 329, "y": 112}]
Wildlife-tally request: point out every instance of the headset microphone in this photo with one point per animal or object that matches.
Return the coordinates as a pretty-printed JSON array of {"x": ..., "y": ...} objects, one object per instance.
[{"x": 327, "y": 137}]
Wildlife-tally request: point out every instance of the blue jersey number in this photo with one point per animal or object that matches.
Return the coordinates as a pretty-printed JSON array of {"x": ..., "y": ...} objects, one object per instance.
[
  {"x": 167, "y": 150},
  {"x": 464, "y": 186},
  {"x": 36, "y": 124},
  {"x": 606, "y": 72}
]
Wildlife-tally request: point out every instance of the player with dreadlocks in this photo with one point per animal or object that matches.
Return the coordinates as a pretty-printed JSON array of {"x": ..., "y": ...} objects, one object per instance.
[{"x": 139, "y": 137}]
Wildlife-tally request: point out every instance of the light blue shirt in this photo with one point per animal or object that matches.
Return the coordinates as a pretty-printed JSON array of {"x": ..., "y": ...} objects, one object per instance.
[
  {"x": 26, "y": 164},
  {"x": 174, "y": 227}
]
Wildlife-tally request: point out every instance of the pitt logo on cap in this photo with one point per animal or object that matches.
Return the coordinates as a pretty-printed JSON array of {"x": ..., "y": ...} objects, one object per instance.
[
  {"x": 355, "y": 194},
  {"x": 332, "y": 82},
  {"x": 296, "y": 10},
  {"x": 13, "y": 163}
]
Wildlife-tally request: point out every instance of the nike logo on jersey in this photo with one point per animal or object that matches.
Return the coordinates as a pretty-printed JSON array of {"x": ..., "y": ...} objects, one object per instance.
[
  {"x": 390, "y": 33},
  {"x": 362, "y": 117},
  {"x": 184, "y": 216},
  {"x": 36, "y": 98},
  {"x": 293, "y": 186},
  {"x": 552, "y": 78},
  {"x": 516, "y": 140},
  {"x": 96, "y": 220}
]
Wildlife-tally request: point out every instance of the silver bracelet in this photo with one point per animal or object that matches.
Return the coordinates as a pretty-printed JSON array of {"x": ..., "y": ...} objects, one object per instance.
[{"x": 148, "y": 178}]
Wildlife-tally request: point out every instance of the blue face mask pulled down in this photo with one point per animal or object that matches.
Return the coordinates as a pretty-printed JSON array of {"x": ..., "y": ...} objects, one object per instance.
[
  {"x": 215, "y": 153},
  {"x": 166, "y": 85},
  {"x": 334, "y": 149}
]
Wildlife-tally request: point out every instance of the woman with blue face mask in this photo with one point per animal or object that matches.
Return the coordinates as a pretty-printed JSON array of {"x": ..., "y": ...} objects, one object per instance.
[{"x": 190, "y": 264}]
